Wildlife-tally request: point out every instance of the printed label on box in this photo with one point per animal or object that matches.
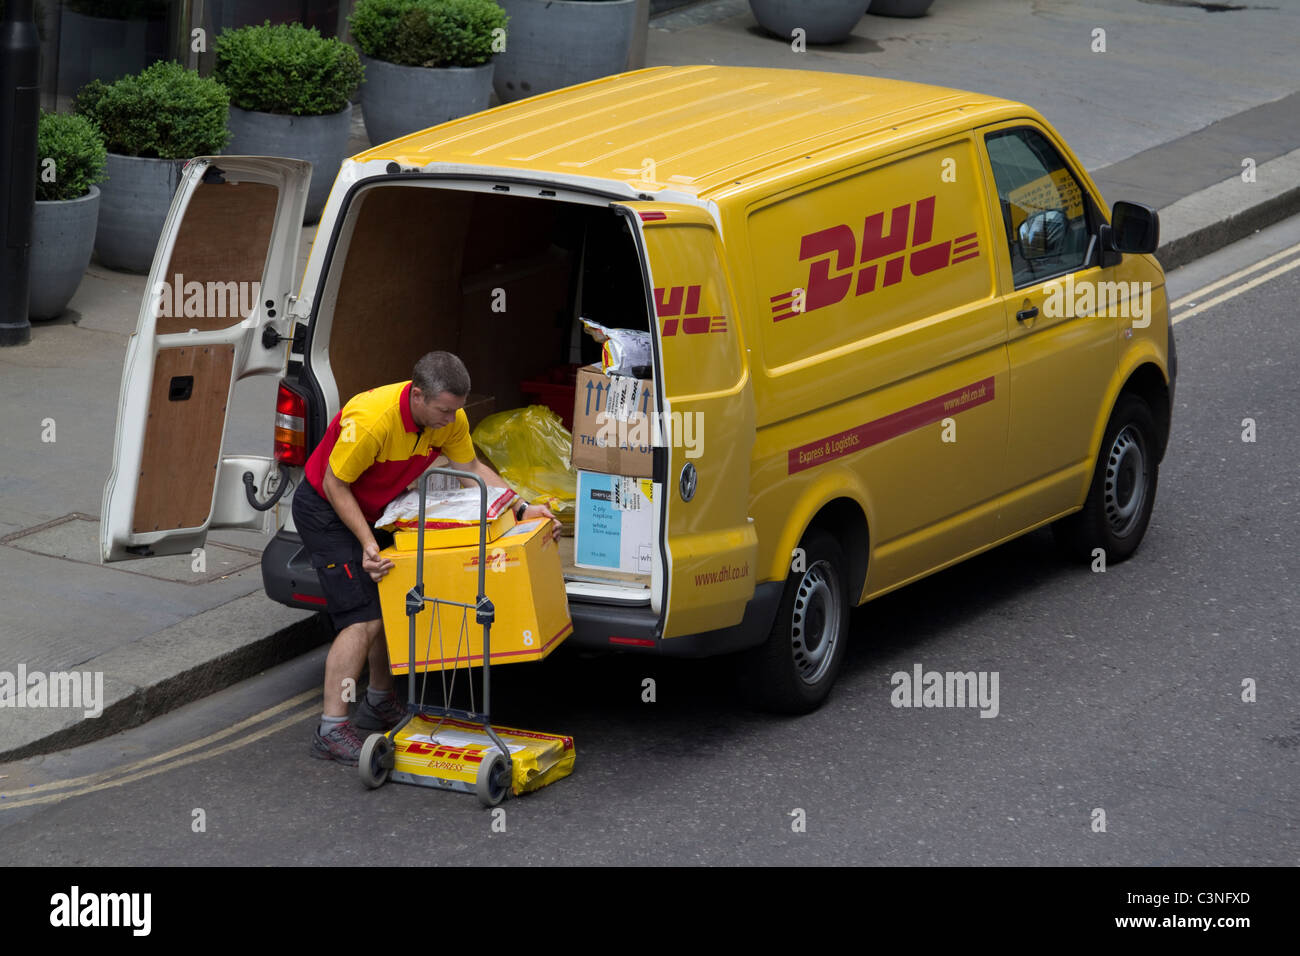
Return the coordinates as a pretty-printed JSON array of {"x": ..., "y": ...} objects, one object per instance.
[
  {"x": 614, "y": 529},
  {"x": 622, "y": 397}
]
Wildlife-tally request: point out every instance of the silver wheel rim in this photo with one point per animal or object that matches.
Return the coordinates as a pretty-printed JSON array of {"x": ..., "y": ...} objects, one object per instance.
[
  {"x": 815, "y": 623},
  {"x": 1125, "y": 488}
]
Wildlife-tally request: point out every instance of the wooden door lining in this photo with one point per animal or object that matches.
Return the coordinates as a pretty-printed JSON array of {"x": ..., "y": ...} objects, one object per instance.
[
  {"x": 222, "y": 246},
  {"x": 182, "y": 439}
]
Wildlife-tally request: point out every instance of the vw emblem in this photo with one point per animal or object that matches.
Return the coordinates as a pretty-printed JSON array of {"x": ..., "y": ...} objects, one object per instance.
[{"x": 687, "y": 483}]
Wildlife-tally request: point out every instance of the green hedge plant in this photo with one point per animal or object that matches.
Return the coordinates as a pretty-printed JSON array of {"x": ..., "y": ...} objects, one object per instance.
[
  {"x": 78, "y": 152},
  {"x": 163, "y": 112},
  {"x": 430, "y": 33},
  {"x": 286, "y": 68}
]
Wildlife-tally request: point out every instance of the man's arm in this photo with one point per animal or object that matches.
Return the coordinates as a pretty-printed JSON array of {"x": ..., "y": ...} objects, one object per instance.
[{"x": 339, "y": 494}]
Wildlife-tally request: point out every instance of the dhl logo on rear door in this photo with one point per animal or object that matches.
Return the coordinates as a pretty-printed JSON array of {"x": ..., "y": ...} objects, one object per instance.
[
  {"x": 839, "y": 246},
  {"x": 677, "y": 305}
]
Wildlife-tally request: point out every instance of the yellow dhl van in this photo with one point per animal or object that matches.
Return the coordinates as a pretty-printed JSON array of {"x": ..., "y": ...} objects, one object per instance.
[{"x": 900, "y": 317}]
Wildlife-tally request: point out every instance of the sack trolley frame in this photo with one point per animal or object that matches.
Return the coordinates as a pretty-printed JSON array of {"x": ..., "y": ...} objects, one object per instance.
[{"x": 378, "y": 755}]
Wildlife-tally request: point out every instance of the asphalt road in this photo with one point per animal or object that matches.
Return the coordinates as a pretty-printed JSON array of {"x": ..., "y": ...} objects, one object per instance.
[{"x": 1119, "y": 692}]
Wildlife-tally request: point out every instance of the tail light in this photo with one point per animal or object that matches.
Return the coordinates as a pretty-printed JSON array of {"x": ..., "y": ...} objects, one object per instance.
[{"x": 290, "y": 427}]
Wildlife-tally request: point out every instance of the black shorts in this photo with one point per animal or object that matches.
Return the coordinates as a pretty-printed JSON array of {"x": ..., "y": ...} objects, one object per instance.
[{"x": 350, "y": 596}]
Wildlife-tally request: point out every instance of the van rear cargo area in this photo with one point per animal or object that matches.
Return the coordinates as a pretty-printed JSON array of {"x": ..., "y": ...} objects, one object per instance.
[{"x": 499, "y": 279}]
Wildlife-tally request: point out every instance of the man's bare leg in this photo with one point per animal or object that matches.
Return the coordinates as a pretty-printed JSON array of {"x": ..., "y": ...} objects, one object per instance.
[
  {"x": 347, "y": 654},
  {"x": 381, "y": 674}
]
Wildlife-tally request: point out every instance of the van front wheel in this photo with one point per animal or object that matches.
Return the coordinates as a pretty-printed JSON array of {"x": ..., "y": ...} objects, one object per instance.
[
  {"x": 792, "y": 672},
  {"x": 1115, "y": 516}
]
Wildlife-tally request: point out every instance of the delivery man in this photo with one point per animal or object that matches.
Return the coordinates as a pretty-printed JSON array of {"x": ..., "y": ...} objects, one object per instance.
[{"x": 376, "y": 446}]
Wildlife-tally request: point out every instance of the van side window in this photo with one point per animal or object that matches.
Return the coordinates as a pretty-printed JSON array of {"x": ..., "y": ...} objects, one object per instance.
[{"x": 1044, "y": 209}]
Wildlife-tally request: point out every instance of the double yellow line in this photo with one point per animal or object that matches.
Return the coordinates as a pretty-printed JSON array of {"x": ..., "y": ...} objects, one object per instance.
[
  {"x": 1193, "y": 298},
  {"x": 57, "y": 791}
]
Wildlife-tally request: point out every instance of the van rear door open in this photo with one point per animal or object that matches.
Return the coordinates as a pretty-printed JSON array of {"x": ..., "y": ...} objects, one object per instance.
[
  {"x": 215, "y": 310},
  {"x": 707, "y": 420}
]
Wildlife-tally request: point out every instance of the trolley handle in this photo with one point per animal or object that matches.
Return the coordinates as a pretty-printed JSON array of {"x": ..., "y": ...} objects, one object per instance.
[{"x": 485, "y": 613}]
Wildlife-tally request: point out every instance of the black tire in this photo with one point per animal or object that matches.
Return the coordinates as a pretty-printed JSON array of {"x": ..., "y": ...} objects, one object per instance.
[
  {"x": 793, "y": 671},
  {"x": 1123, "y": 490}
]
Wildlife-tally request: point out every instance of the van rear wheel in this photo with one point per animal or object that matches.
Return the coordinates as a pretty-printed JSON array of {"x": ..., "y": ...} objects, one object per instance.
[
  {"x": 792, "y": 672},
  {"x": 1123, "y": 490}
]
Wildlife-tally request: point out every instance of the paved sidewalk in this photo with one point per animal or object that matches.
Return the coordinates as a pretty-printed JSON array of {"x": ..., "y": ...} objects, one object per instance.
[{"x": 1166, "y": 116}]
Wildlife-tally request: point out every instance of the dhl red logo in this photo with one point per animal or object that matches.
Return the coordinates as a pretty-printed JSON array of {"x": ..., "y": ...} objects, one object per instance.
[
  {"x": 420, "y": 748},
  {"x": 677, "y": 306},
  {"x": 838, "y": 245}
]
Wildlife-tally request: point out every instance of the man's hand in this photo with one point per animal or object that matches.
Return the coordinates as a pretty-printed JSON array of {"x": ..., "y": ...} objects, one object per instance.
[
  {"x": 373, "y": 564},
  {"x": 541, "y": 511}
]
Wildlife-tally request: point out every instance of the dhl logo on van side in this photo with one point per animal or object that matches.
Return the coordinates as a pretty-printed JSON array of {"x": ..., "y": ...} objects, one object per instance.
[
  {"x": 839, "y": 243},
  {"x": 669, "y": 302}
]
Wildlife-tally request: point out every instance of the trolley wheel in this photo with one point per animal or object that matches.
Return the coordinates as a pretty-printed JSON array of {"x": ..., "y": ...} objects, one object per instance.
[
  {"x": 493, "y": 781},
  {"x": 376, "y": 760}
]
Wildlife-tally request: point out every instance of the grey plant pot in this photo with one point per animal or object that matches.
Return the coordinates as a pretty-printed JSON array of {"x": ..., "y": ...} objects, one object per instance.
[
  {"x": 321, "y": 140},
  {"x": 900, "y": 8},
  {"x": 556, "y": 43},
  {"x": 823, "y": 21},
  {"x": 132, "y": 209},
  {"x": 396, "y": 100},
  {"x": 63, "y": 235}
]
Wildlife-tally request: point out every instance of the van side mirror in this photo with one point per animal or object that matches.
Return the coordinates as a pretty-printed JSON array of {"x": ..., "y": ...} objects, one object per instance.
[{"x": 1133, "y": 228}]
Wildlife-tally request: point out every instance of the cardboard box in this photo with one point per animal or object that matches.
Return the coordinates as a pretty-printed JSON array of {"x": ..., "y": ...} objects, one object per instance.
[
  {"x": 615, "y": 523},
  {"x": 524, "y": 581},
  {"x": 612, "y": 423}
]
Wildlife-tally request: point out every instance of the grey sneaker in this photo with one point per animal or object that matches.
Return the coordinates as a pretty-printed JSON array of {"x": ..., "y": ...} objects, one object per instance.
[
  {"x": 341, "y": 744},
  {"x": 383, "y": 716}
]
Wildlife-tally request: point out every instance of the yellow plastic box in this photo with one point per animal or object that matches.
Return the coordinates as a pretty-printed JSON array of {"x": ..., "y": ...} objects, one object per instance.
[{"x": 524, "y": 581}]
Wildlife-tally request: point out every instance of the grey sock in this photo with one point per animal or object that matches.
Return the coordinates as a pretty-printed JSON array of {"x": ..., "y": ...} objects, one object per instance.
[
  {"x": 328, "y": 724},
  {"x": 376, "y": 697}
]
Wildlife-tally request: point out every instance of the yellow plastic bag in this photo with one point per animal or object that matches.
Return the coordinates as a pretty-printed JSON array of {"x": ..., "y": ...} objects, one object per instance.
[{"x": 532, "y": 450}]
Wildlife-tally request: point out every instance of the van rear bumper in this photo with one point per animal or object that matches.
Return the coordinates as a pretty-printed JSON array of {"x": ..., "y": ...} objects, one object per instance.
[
  {"x": 287, "y": 574},
  {"x": 288, "y": 577},
  {"x": 609, "y": 627}
]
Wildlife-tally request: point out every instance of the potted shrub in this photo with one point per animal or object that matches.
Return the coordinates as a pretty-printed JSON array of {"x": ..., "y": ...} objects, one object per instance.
[
  {"x": 108, "y": 39},
  {"x": 151, "y": 123},
  {"x": 290, "y": 91},
  {"x": 70, "y": 160},
  {"x": 823, "y": 21},
  {"x": 427, "y": 61},
  {"x": 556, "y": 43}
]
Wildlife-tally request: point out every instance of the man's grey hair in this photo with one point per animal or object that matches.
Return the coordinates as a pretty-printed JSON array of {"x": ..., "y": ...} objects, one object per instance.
[{"x": 439, "y": 372}]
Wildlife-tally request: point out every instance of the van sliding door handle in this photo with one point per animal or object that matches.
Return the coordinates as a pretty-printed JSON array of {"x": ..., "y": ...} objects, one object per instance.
[{"x": 1024, "y": 315}]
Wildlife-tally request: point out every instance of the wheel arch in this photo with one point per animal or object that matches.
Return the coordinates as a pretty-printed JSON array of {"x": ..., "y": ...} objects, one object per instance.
[
  {"x": 841, "y": 512},
  {"x": 1147, "y": 381},
  {"x": 844, "y": 520}
]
